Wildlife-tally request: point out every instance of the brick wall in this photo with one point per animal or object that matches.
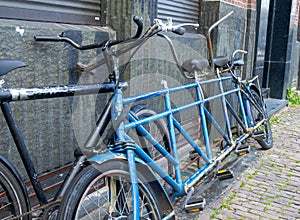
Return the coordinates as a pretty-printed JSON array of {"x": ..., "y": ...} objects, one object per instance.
[
  {"x": 297, "y": 13},
  {"x": 249, "y": 4}
]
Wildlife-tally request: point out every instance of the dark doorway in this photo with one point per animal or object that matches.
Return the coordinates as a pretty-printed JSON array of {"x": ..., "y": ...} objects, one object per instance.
[{"x": 276, "y": 74}]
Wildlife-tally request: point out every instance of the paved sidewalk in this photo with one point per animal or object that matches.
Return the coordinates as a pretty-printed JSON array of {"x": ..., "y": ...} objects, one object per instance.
[{"x": 270, "y": 186}]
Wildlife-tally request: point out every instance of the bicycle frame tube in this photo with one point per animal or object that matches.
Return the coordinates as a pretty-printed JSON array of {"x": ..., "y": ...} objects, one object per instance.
[
  {"x": 171, "y": 120},
  {"x": 203, "y": 123},
  {"x": 228, "y": 127},
  {"x": 23, "y": 94},
  {"x": 21, "y": 146}
]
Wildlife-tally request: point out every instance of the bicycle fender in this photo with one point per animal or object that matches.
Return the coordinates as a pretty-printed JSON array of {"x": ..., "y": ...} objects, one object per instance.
[
  {"x": 136, "y": 108},
  {"x": 101, "y": 158},
  {"x": 254, "y": 87},
  {"x": 158, "y": 189},
  {"x": 16, "y": 174}
]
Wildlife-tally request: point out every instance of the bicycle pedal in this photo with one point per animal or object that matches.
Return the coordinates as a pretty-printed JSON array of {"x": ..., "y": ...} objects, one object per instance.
[
  {"x": 224, "y": 174},
  {"x": 196, "y": 205},
  {"x": 259, "y": 135},
  {"x": 242, "y": 150}
]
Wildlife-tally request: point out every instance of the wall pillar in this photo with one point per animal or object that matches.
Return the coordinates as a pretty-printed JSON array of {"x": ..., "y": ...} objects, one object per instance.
[
  {"x": 120, "y": 14},
  {"x": 277, "y": 75},
  {"x": 237, "y": 32}
]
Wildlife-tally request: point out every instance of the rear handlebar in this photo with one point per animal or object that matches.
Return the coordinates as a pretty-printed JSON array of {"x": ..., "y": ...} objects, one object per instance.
[
  {"x": 208, "y": 37},
  {"x": 169, "y": 27}
]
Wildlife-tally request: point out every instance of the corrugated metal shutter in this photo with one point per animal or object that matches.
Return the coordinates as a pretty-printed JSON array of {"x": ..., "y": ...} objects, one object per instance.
[
  {"x": 66, "y": 11},
  {"x": 180, "y": 10}
]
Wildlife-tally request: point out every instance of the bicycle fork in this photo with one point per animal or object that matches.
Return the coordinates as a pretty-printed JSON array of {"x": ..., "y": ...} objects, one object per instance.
[
  {"x": 134, "y": 183},
  {"x": 129, "y": 148}
]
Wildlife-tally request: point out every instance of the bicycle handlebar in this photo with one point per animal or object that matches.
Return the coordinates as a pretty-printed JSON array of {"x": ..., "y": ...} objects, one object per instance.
[
  {"x": 140, "y": 25},
  {"x": 169, "y": 27},
  {"x": 208, "y": 38},
  {"x": 61, "y": 38},
  {"x": 236, "y": 52}
]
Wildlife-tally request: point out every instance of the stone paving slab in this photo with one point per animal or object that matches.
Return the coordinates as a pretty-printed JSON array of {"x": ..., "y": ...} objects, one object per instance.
[{"x": 270, "y": 187}]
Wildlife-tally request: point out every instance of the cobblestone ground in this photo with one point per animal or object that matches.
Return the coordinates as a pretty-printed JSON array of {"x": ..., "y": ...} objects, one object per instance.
[{"x": 270, "y": 188}]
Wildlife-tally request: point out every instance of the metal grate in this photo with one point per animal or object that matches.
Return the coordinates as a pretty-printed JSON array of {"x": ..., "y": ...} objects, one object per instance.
[
  {"x": 66, "y": 11},
  {"x": 180, "y": 10}
]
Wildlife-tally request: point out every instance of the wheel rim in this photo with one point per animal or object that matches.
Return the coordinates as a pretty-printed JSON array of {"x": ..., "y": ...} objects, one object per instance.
[
  {"x": 257, "y": 116},
  {"x": 109, "y": 196},
  {"x": 9, "y": 202}
]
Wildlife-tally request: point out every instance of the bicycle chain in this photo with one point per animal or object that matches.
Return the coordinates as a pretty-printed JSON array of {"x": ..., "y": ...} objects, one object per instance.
[{"x": 34, "y": 210}]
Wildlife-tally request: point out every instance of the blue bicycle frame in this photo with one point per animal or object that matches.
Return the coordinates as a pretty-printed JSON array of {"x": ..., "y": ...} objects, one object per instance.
[{"x": 132, "y": 151}]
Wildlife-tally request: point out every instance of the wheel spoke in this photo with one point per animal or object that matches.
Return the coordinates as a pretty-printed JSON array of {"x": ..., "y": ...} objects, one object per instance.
[{"x": 106, "y": 195}]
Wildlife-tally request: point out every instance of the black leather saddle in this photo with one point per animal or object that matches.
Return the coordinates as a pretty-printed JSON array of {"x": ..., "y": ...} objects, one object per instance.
[
  {"x": 7, "y": 65},
  {"x": 193, "y": 65},
  {"x": 221, "y": 61}
]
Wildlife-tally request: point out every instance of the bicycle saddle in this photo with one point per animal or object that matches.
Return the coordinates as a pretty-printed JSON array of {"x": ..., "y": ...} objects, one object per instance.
[
  {"x": 192, "y": 65},
  {"x": 7, "y": 65},
  {"x": 221, "y": 61}
]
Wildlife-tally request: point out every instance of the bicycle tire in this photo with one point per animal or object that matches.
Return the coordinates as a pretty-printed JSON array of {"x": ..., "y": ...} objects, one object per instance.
[
  {"x": 109, "y": 185},
  {"x": 12, "y": 198},
  {"x": 267, "y": 141}
]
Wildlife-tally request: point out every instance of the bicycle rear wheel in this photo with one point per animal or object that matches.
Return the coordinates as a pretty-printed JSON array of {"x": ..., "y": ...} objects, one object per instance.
[
  {"x": 103, "y": 191},
  {"x": 12, "y": 198},
  {"x": 264, "y": 131}
]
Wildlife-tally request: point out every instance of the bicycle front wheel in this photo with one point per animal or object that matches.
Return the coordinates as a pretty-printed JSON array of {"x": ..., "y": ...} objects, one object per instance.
[
  {"x": 12, "y": 198},
  {"x": 104, "y": 192},
  {"x": 264, "y": 131}
]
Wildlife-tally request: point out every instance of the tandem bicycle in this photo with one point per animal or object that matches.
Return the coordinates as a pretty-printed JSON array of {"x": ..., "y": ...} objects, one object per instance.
[{"x": 126, "y": 182}]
